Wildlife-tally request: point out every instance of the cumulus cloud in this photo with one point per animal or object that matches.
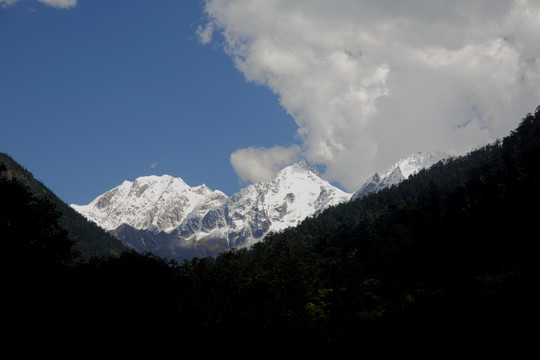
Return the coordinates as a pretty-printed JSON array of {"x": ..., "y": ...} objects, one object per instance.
[
  {"x": 369, "y": 81},
  {"x": 261, "y": 164}
]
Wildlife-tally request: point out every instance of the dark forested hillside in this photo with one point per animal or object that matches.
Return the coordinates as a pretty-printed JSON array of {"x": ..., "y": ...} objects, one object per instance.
[
  {"x": 443, "y": 266},
  {"x": 90, "y": 240},
  {"x": 448, "y": 259}
]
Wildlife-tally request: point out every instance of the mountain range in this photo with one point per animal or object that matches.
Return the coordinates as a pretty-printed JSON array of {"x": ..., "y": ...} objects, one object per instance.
[{"x": 165, "y": 216}]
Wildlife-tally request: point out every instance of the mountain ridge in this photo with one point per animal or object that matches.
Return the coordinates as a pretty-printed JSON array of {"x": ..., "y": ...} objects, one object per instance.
[
  {"x": 296, "y": 192},
  {"x": 173, "y": 212},
  {"x": 166, "y": 216},
  {"x": 401, "y": 170},
  {"x": 156, "y": 203}
]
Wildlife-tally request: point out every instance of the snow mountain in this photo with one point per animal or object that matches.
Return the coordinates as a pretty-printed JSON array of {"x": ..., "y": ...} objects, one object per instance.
[
  {"x": 297, "y": 192},
  {"x": 155, "y": 203},
  {"x": 400, "y": 171},
  {"x": 164, "y": 215}
]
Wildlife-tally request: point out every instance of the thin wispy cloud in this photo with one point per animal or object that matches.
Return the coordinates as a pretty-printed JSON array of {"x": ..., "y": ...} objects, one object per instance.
[
  {"x": 370, "y": 81},
  {"x": 6, "y": 3},
  {"x": 60, "y": 4},
  {"x": 205, "y": 33}
]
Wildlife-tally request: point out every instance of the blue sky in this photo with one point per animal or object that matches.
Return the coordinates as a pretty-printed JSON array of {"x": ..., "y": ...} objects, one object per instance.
[
  {"x": 112, "y": 90},
  {"x": 227, "y": 92}
]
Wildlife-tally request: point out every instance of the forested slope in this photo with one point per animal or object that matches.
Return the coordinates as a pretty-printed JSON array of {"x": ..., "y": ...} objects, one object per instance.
[
  {"x": 443, "y": 266},
  {"x": 90, "y": 240}
]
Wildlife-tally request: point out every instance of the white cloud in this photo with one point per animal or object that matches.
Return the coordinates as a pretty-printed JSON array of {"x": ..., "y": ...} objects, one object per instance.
[
  {"x": 261, "y": 164},
  {"x": 6, "y": 3},
  {"x": 205, "y": 33},
  {"x": 369, "y": 81},
  {"x": 61, "y": 4}
]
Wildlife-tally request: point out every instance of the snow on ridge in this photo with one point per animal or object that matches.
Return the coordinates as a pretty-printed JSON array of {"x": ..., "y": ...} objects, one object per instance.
[
  {"x": 401, "y": 170},
  {"x": 191, "y": 214},
  {"x": 297, "y": 191},
  {"x": 412, "y": 164},
  {"x": 156, "y": 203},
  {"x": 164, "y": 203}
]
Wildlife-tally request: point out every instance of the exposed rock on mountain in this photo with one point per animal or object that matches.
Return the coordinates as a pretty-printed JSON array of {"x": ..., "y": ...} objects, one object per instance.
[
  {"x": 155, "y": 203},
  {"x": 166, "y": 216}
]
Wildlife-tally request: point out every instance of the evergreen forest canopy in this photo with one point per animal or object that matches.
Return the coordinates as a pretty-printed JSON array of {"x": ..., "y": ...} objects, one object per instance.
[
  {"x": 443, "y": 266},
  {"x": 89, "y": 240}
]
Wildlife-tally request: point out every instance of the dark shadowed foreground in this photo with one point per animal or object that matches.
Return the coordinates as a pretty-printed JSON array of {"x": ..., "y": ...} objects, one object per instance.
[{"x": 443, "y": 266}]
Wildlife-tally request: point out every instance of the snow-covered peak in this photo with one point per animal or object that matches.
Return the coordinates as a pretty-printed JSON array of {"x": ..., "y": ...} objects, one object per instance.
[
  {"x": 300, "y": 167},
  {"x": 156, "y": 203},
  {"x": 297, "y": 191},
  {"x": 301, "y": 179},
  {"x": 401, "y": 170},
  {"x": 210, "y": 219},
  {"x": 298, "y": 174},
  {"x": 412, "y": 164},
  {"x": 202, "y": 189}
]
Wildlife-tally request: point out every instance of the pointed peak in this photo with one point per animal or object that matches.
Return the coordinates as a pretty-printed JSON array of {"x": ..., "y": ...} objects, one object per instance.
[
  {"x": 411, "y": 164},
  {"x": 401, "y": 170},
  {"x": 202, "y": 189},
  {"x": 305, "y": 166}
]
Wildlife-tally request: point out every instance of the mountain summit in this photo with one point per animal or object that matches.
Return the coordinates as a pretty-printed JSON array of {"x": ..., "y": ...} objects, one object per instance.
[
  {"x": 297, "y": 191},
  {"x": 155, "y": 203},
  {"x": 164, "y": 215},
  {"x": 400, "y": 171}
]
